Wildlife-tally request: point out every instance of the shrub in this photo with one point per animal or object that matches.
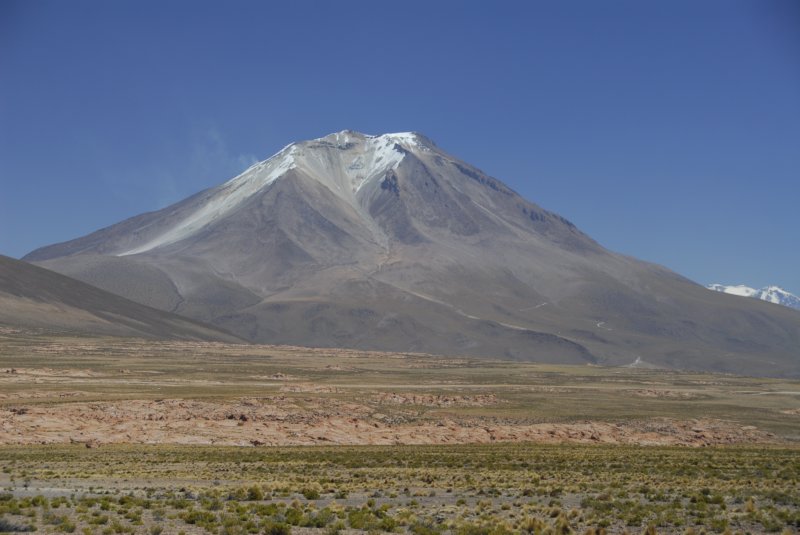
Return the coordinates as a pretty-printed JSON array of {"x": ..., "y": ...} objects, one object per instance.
[
  {"x": 255, "y": 494},
  {"x": 424, "y": 528},
  {"x": 276, "y": 528},
  {"x": 310, "y": 494},
  {"x": 335, "y": 529},
  {"x": 7, "y": 526}
]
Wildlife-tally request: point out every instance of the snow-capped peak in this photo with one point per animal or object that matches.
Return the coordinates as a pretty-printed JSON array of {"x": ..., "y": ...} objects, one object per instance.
[
  {"x": 408, "y": 140},
  {"x": 740, "y": 289},
  {"x": 772, "y": 294},
  {"x": 344, "y": 162},
  {"x": 776, "y": 294}
]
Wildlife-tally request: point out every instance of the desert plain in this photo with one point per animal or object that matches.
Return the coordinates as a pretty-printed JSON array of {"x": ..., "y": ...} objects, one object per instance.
[{"x": 109, "y": 435}]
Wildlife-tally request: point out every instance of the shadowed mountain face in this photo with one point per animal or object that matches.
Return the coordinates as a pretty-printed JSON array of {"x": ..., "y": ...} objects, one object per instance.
[
  {"x": 33, "y": 297},
  {"x": 387, "y": 242}
]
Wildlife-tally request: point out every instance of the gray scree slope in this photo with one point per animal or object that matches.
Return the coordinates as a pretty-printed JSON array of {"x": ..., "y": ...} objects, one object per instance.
[
  {"x": 33, "y": 297},
  {"x": 388, "y": 242}
]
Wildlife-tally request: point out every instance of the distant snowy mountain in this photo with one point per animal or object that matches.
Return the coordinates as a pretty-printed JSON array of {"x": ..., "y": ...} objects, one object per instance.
[{"x": 773, "y": 294}]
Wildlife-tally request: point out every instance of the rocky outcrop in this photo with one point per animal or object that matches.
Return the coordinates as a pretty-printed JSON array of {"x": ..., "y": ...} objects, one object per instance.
[{"x": 282, "y": 420}]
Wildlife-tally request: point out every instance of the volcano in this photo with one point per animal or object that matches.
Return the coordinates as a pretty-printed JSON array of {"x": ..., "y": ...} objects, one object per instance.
[{"x": 390, "y": 243}]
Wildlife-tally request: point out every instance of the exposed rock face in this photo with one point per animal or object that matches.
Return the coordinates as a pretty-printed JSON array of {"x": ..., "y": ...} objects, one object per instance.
[
  {"x": 389, "y": 243},
  {"x": 436, "y": 400}
]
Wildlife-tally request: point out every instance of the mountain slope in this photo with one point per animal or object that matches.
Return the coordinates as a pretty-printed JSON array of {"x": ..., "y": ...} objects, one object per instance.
[
  {"x": 31, "y": 296},
  {"x": 388, "y": 242},
  {"x": 771, "y": 294}
]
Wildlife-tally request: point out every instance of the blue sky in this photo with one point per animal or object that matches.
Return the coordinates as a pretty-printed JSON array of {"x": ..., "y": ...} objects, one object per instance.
[{"x": 669, "y": 131}]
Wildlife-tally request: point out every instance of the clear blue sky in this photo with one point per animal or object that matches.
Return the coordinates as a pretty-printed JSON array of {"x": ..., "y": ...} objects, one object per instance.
[{"x": 669, "y": 130}]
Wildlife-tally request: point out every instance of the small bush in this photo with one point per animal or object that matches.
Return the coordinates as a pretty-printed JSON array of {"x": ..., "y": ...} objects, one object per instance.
[
  {"x": 310, "y": 494},
  {"x": 255, "y": 494},
  {"x": 7, "y": 526},
  {"x": 277, "y": 528}
]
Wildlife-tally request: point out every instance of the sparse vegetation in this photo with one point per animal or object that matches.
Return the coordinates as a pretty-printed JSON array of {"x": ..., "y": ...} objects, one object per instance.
[
  {"x": 469, "y": 489},
  {"x": 557, "y": 486}
]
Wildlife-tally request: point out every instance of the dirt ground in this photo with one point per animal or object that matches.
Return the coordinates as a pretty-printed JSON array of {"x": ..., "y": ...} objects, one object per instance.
[
  {"x": 60, "y": 390},
  {"x": 282, "y": 421}
]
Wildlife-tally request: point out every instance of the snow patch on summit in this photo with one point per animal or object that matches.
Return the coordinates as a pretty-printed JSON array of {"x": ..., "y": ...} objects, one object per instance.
[
  {"x": 347, "y": 161},
  {"x": 353, "y": 160},
  {"x": 344, "y": 162},
  {"x": 740, "y": 289}
]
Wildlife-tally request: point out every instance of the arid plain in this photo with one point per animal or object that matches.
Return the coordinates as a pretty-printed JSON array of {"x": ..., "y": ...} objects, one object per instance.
[{"x": 105, "y": 435}]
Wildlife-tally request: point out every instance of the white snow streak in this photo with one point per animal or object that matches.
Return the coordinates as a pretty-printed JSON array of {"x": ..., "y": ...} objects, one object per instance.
[
  {"x": 345, "y": 163},
  {"x": 744, "y": 291},
  {"x": 224, "y": 200}
]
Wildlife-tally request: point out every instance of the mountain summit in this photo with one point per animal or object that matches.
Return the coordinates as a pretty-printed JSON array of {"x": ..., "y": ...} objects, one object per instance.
[
  {"x": 388, "y": 242},
  {"x": 771, "y": 294},
  {"x": 345, "y": 162}
]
